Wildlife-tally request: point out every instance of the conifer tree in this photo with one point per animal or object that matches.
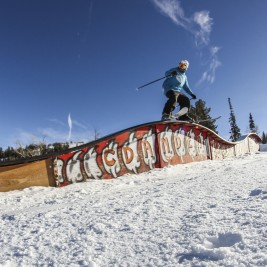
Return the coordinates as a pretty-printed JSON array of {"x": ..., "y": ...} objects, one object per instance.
[
  {"x": 1, "y": 153},
  {"x": 252, "y": 126},
  {"x": 234, "y": 129},
  {"x": 264, "y": 138},
  {"x": 201, "y": 112}
]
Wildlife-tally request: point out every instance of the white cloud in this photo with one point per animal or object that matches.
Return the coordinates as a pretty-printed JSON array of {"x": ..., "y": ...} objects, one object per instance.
[
  {"x": 200, "y": 25},
  {"x": 204, "y": 21},
  {"x": 79, "y": 124},
  {"x": 173, "y": 10},
  {"x": 214, "y": 63},
  {"x": 60, "y": 132},
  {"x": 57, "y": 122},
  {"x": 214, "y": 50},
  {"x": 52, "y": 135},
  {"x": 24, "y": 138}
]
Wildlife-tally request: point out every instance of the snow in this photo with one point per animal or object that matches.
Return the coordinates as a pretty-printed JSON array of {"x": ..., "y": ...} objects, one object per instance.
[{"x": 211, "y": 213}]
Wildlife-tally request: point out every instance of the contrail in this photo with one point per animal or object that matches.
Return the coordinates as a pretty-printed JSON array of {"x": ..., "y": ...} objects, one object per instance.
[{"x": 70, "y": 126}]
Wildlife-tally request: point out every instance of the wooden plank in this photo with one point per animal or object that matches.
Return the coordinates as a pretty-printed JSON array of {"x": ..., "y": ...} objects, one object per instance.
[{"x": 39, "y": 173}]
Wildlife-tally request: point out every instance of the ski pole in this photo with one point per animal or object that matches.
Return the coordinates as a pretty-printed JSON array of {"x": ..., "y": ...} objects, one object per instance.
[{"x": 152, "y": 82}]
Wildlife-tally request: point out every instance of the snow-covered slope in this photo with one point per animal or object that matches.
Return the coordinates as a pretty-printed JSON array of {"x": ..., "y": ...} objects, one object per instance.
[{"x": 211, "y": 213}]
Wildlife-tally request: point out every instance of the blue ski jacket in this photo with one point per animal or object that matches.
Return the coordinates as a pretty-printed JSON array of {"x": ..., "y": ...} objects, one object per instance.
[{"x": 176, "y": 83}]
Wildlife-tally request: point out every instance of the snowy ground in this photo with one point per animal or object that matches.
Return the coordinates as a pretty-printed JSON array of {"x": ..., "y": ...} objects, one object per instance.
[{"x": 211, "y": 213}]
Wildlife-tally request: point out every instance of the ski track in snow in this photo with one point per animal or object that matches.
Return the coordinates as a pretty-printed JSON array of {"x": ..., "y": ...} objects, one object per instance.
[{"x": 210, "y": 213}]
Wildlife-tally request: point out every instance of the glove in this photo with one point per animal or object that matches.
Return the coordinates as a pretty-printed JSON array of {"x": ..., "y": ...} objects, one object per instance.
[
  {"x": 174, "y": 73},
  {"x": 194, "y": 96}
]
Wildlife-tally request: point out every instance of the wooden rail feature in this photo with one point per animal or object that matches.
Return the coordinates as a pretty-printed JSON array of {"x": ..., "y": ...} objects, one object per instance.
[
  {"x": 134, "y": 150},
  {"x": 14, "y": 177}
]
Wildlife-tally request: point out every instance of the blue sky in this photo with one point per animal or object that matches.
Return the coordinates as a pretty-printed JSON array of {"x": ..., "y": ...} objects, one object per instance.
[{"x": 86, "y": 58}]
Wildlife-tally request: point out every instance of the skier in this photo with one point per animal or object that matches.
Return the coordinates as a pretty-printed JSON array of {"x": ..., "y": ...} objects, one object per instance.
[{"x": 175, "y": 81}]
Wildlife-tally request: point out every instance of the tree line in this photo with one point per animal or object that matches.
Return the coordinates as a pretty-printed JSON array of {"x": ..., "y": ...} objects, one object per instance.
[
  {"x": 198, "y": 112},
  {"x": 31, "y": 150},
  {"x": 235, "y": 130},
  {"x": 201, "y": 112},
  {"x": 38, "y": 149}
]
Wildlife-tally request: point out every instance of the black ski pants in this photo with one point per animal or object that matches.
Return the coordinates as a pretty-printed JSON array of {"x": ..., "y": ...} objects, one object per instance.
[{"x": 173, "y": 99}]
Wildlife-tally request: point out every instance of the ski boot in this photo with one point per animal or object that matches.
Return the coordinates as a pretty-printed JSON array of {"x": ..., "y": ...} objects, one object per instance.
[
  {"x": 165, "y": 117},
  {"x": 185, "y": 117}
]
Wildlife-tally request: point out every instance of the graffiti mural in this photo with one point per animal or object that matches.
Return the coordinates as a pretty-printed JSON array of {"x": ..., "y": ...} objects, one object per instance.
[
  {"x": 129, "y": 152},
  {"x": 144, "y": 148},
  {"x": 181, "y": 143}
]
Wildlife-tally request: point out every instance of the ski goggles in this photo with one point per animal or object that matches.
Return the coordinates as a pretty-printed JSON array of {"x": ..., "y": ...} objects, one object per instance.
[{"x": 183, "y": 66}]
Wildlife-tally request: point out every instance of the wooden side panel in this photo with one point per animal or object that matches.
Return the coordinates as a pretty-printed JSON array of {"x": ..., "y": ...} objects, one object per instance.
[{"x": 20, "y": 176}]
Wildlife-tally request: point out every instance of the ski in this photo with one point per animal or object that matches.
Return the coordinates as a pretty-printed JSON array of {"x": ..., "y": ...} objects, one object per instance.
[
  {"x": 174, "y": 118},
  {"x": 211, "y": 119}
]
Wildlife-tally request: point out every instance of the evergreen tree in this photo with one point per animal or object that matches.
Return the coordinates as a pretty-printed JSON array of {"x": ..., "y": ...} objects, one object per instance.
[
  {"x": 234, "y": 130},
  {"x": 60, "y": 147},
  {"x": 264, "y": 138},
  {"x": 1, "y": 154},
  {"x": 252, "y": 126},
  {"x": 10, "y": 154},
  {"x": 201, "y": 112},
  {"x": 251, "y": 123}
]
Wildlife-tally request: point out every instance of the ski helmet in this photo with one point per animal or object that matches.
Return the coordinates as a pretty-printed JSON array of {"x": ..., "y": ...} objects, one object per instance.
[{"x": 183, "y": 65}]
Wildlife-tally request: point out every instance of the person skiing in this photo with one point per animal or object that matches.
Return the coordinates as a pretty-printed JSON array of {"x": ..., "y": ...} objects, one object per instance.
[{"x": 175, "y": 81}]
